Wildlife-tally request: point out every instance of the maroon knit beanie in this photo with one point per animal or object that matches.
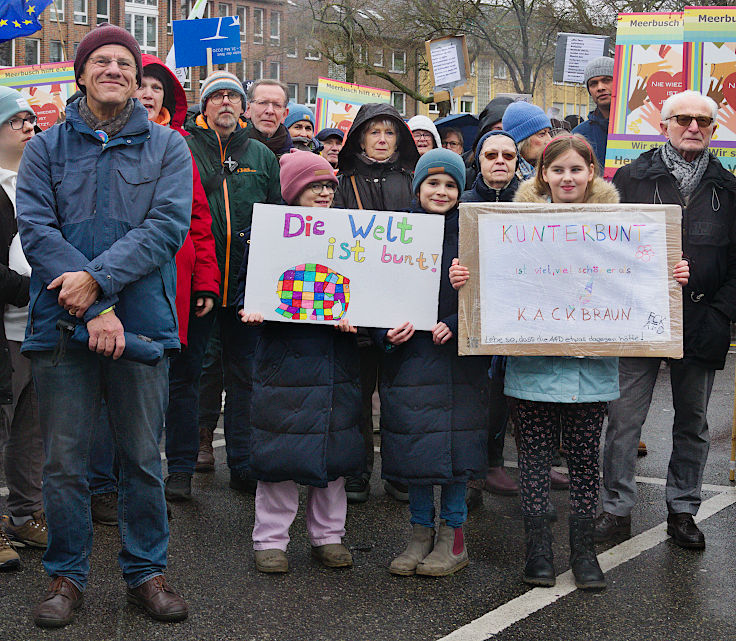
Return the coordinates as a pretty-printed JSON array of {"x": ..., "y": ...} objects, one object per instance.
[
  {"x": 106, "y": 34},
  {"x": 301, "y": 168}
]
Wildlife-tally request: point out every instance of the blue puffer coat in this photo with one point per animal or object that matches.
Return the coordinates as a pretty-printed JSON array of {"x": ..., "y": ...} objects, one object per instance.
[
  {"x": 119, "y": 211},
  {"x": 434, "y": 404},
  {"x": 305, "y": 403}
]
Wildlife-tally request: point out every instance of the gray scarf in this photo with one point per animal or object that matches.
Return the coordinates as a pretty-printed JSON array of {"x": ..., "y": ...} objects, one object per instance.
[
  {"x": 686, "y": 174},
  {"x": 110, "y": 127}
]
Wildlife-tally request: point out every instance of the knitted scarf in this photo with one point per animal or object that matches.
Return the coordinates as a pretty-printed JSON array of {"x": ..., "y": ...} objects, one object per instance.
[
  {"x": 275, "y": 143},
  {"x": 686, "y": 174},
  {"x": 526, "y": 169},
  {"x": 110, "y": 127}
]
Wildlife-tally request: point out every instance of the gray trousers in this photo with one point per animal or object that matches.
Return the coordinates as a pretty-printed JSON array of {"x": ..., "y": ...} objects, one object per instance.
[
  {"x": 24, "y": 456},
  {"x": 691, "y": 388}
]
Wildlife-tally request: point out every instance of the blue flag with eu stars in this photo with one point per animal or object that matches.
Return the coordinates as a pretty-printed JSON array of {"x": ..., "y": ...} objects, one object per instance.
[{"x": 20, "y": 17}]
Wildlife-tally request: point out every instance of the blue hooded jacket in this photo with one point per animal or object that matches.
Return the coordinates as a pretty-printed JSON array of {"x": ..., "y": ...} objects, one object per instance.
[{"x": 595, "y": 130}]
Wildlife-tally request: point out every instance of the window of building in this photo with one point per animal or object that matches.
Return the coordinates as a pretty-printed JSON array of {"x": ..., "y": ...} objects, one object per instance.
[
  {"x": 467, "y": 105},
  {"x": 312, "y": 54},
  {"x": 257, "y": 70},
  {"x": 362, "y": 54},
  {"x": 56, "y": 11},
  {"x": 223, "y": 10},
  {"x": 143, "y": 25},
  {"x": 80, "y": 12},
  {"x": 274, "y": 70},
  {"x": 499, "y": 70},
  {"x": 56, "y": 54},
  {"x": 33, "y": 51},
  {"x": 434, "y": 108},
  {"x": 398, "y": 100},
  {"x": 293, "y": 92},
  {"x": 275, "y": 27},
  {"x": 76, "y": 46},
  {"x": 186, "y": 9},
  {"x": 242, "y": 13},
  {"x": 291, "y": 47},
  {"x": 258, "y": 26},
  {"x": 169, "y": 15},
  {"x": 311, "y": 97},
  {"x": 378, "y": 58},
  {"x": 147, "y": 3},
  {"x": 187, "y": 84},
  {"x": 398, "y": 61},
  {"x": 103, "y": 11},
  {"x": 7, "y": 51}
]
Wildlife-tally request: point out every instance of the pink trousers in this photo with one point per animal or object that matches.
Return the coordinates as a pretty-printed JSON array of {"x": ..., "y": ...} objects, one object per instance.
[{"x": 276, "y": 507}]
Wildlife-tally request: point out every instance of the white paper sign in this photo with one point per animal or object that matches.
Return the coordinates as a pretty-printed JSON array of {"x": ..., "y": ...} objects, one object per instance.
[
  {"x": 314, "y": 265},
  {"x": 579, "y": 52},
  {"x": 574, "y": 278},
  {"x": 445, "y": 63}
]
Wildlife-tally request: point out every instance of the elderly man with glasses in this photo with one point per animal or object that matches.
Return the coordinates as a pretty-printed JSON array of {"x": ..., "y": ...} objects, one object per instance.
[
  {"x": 268, "y": 106},
  {"x": 237, "y": 171},
  {"x": 685, "y": 173}
]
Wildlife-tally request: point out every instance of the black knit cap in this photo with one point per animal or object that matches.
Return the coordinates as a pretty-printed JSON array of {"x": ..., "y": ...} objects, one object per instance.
[{"x": 106, "y": 34}]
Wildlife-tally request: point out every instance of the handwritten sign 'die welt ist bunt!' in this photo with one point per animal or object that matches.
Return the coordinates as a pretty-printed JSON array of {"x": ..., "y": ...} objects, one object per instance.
[
  {"x": 570, "y": 280},
  {"x": 314, "y": 265}
]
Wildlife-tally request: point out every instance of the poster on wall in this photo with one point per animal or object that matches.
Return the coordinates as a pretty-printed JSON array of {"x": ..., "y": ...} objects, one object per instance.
[
  {"x": 338, "y": 102},
  {"x": 648, "y": 69},
  {"x": 314, "y": 265},
  {"x": 574, "y": 280},
  {"x": 46, "y": 87}
]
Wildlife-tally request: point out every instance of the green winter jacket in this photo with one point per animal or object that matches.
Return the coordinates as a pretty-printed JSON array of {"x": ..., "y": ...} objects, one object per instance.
[{"x": 236, "y": 173}]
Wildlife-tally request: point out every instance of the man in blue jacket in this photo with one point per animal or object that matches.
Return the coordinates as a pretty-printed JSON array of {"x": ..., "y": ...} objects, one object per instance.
[
  {"x": 103, "y": 201},
  {"x": 598, "y": 80}
]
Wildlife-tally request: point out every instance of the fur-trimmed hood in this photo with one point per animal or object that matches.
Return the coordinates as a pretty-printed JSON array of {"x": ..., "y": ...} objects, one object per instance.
[{"x": 601, "y": 192}]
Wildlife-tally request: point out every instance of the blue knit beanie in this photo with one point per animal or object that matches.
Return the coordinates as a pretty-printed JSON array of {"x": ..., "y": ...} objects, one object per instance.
[
  {"x": 522, "y": 119},
  {"x": 439, "y": 161},
  {"x": 297, "y": 113},
  {"x": 12, "y": 102}
]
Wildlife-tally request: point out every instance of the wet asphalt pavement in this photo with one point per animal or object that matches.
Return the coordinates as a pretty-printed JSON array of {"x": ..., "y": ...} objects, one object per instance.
[{"x": 656, "y": 591}]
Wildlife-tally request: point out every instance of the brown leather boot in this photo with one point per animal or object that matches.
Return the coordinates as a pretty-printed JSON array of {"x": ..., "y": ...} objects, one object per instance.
[
  {"x": 57, "y": 608},
  {"x": 157, "y": 598},
  {"x": 206, "y": 455}
]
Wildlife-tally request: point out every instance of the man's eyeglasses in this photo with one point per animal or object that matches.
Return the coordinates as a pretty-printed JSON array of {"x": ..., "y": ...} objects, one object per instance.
[
  {"x": 685, "y": 120},
  {"x": 506, "y": 155},
  {"x": 262, "y": 104},
  {"x": 103, "y": 62},
  {"x": 318, "y": 187},
  {"x": 19, "y": 123},
  {"x": 217, "y": 98}
]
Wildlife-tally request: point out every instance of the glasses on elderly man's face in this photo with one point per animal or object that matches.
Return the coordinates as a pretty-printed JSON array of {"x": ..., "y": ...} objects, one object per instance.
[
  {"x": 19, "y": 123},
  {"x": 264, "y": 104},
  {"x": 684, "y": 120},
  {"x": 318, "y": 187},
  {"x": 218, "y": 97}
]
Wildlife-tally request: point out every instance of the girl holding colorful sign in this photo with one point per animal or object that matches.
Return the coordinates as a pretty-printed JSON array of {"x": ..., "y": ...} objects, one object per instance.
[
  {"x": 434, "y": 404},
  {"x": 306, "y": 407}
]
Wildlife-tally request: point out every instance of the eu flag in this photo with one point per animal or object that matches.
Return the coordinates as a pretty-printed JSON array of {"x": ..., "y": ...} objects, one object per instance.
[{"x": 20, "y": 17}]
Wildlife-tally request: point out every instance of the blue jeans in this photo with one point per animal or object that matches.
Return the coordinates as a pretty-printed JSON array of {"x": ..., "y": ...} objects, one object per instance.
[
  {"x": 103, "y": 464},
  {"x": 69, "y": 400},
  {"x": 182, "y": 415},
  {"x": 452, "y": 504}
]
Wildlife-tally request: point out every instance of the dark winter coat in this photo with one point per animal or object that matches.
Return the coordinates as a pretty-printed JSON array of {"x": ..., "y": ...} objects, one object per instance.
[
  {"x": 482, "y": 193},
  {"x": 434, "y": 404},
  {"x": 305, "y": 403},
  {"x": 13, "y": 290},
  {"x": 708, "y": 241},
  {"x": 382, "y": 186},
  {"x": 595, "y": 130}
]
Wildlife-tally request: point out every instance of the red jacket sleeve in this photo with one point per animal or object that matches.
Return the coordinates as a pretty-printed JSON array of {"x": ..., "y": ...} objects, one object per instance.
[{"x": 206, "y": 278}]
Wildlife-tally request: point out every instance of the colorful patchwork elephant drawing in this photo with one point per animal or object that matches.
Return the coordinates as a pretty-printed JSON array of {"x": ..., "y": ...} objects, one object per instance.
[{"x": 313, "y": 292}]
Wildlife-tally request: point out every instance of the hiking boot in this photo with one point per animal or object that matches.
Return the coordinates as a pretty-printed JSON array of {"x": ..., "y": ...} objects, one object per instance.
[
  {"x": 32, "y": 533},
  {"x": 159, "y": 600},
  {"x": 9, "y": 559},
  {"x": 539, "y": 568},
  {"x": 333, "y": 555},
  {"x": 499, "y": 482},
  {"x": 583, "y": 561},
  {"x": 57, "y": 608},
  {"x": 272, "y": 561},
  {"x": 558, "y": 481},
  {"x": 681, "y": 527},
  {"x": 178, "y": 486},
  {"x": 357, "y": 489},
  {"x": 206, "y": 454},
  {"x": 399, "y": 491},
  {"x": 609, "y": 527},
  {"x": 420, "y": 545},
  {"x": 105, "y": 508},
  {"x": 449, "y": 554}
]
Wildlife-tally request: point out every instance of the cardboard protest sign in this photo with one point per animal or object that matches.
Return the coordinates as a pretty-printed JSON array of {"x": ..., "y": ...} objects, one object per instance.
[
  {"x": 314, "y": 265},
  {"x": 46, "y": 87},
  {"x": 338, "y": 102},
  {"x": 575, "y": 280},
  {"x": 710, "y": 37},
  {"x": 192, "y": 38},
  {"x": 648, "y": 69}
]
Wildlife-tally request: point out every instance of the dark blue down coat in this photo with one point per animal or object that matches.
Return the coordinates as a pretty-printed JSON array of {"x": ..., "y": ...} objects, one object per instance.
[
  {"x": 305, "y": 403},
  {"x": 434, "y": 403}
]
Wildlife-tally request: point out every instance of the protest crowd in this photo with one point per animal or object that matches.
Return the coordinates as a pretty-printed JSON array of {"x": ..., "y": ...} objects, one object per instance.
[{"x": 123, "y": 270}]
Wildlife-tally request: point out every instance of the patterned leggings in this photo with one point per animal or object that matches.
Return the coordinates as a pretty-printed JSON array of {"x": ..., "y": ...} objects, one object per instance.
[{"x": 538, "y": 425}]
